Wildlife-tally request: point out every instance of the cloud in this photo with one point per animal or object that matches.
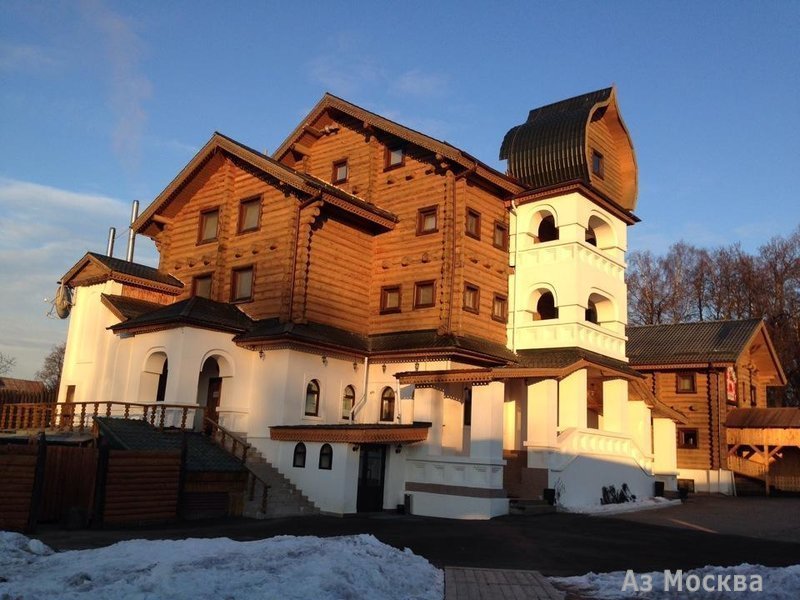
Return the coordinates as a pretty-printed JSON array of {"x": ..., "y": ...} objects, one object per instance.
[
  {"x": 345, "y": 76},
  {"x": 45, "y": 231},
  {"x": 129, "y": 88},
  {"x": 418, "y": 83},
  {"x": 24, "y": 57}
]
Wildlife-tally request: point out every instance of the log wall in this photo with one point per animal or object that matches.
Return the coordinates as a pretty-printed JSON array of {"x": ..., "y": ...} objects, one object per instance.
[{"x": 17, "y": 477}]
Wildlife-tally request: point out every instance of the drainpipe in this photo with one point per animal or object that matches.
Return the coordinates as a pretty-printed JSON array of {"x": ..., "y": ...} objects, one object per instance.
[
  {"x": 516, "y": 277},
  {"x": 363, "y": 401}
]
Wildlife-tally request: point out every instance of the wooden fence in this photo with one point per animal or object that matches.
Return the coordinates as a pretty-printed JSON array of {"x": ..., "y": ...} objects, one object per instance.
[{"x": 18, "y": 486}]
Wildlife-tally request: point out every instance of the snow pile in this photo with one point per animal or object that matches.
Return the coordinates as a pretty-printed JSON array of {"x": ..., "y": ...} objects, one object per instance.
[
  {"x": 719, "y": 583},
  {"x": 284, "y": 567},
  {"x": 623, "y": 507}
]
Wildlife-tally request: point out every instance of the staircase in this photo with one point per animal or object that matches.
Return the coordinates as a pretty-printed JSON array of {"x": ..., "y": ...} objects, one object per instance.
[{"x": 283, "y": 498}]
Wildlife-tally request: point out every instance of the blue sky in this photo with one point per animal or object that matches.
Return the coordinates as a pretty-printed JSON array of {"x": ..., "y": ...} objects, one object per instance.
[{"x": 103, "y": 102}]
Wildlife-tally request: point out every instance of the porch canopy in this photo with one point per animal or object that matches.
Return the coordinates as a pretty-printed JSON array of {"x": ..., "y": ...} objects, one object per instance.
[{"x": 371, "y": 433}]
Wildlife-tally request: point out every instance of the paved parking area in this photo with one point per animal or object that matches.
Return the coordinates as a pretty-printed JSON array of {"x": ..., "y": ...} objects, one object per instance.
[
  {"x": 497, "y": 584},
  {"x": 775, "y": 518}
]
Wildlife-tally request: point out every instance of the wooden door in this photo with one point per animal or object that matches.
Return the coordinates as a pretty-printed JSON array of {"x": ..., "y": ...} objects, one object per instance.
[{"x": 371, "y": 468}]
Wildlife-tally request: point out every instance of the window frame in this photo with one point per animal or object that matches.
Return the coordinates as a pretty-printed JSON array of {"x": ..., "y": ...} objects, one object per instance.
[
  {"x": 325, "y": 451},
  {"x": 317, "y": 393},
  {"x": 300, "y": 452},
  {"x": 476, "y": 235},
  {"x": 249, "y": 200},
  {"x": 682, "y": 438},
  {"x": 201, "y": 226},
  {"x": 417, "y": 286},
  {"x": 388, "y": 165},
  {"x": 385, "y": 291},
  {"x": 598, "y": 164},
  {"x": 384, "y": 405},
  {"x": 234, "y": 275},
  {"x": 196, "y": 278},
  {"x": 684, "y": 375},
  {"x": 421, "y": 215},
  {"x": 476, "y": 310},
  {"x": 335, "y": 175},
  {"x": 346, "y": 414},
  {"x": 504, "y": 300},
  {"x": 498, "y": 225}
]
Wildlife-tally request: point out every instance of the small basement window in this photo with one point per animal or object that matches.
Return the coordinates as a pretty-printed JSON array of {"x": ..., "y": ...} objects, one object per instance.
[
  {"x": 427, "y": 220},
  {"x": 687, "y": 438},
  {"x": 209, "y": 221},
  {"x": 340, "y": 171},
  {"x": 686, "y": 383},
  {"x": 390, "y": 299},
  {"x": 424, "y": 292}
]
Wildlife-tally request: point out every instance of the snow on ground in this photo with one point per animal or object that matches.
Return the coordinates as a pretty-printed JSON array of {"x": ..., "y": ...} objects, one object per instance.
[
  {"x": 284, "y": 567},
  {"x": 777, "y": 583},
  {"x": 612, "y": 509}
]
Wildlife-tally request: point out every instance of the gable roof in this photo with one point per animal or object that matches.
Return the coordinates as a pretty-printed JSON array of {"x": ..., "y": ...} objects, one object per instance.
[
  {"x": 441, "y": 148},
  {"x": 690, "y": 343},
  {"x": 117, "y": 269},
  {"x": 195, "y": 312},
  {"x": 21, "y": 385},
  {"x": 302, "y": 183}
]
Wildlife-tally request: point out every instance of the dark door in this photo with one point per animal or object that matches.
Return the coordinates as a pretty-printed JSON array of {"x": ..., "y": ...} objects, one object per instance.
[
  {"x": 372, "y": 463},
  {"x": 212, "y": 400}
]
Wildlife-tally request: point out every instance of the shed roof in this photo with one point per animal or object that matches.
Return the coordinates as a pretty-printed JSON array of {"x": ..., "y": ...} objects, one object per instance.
[
  {"x": 764, "y": 418},
  {"x": 21, "y": 385}
]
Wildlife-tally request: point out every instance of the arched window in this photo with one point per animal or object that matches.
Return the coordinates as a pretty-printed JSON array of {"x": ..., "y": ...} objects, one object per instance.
[
  {"x": 161, "y": 390},
  {"x": 600, "y": 310},
  {"x": 326, "y": 457},
  {"x": 599, "y": 233},
  {"x": 387, "y": 404},
  {"x": 546, "y": 307},
  {"x": 299, "y": 459},
  {"x": 348, "y": 400},
  {"x": 548, "y": 231},
  {"x": 312, "y": 398}
]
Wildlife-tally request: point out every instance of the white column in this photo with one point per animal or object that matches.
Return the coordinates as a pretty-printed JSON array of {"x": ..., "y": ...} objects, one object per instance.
[
  {"x": 640, "y": 425},
  {"x": 428, "y": 408},
  {"x": 665, "y": 452},
  {"x": 572, "y": 401},
  {"x": 615, "y": 405},
  {"x": 543, "y": 413},
  {"x": 486, "y": 432}
]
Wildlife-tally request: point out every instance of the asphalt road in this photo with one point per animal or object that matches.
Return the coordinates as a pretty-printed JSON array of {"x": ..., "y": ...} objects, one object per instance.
[{"x": 555, "y": 544}]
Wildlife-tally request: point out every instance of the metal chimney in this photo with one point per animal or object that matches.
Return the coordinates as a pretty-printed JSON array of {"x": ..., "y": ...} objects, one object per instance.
[
  {"x": 112, "y": 234},
  {"x": 131, "y": 233}
]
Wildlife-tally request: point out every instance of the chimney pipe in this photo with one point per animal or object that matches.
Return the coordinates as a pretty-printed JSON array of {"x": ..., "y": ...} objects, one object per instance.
[
  {"x": 131, "y": 233},
  {"x": 112, "y": 233}
]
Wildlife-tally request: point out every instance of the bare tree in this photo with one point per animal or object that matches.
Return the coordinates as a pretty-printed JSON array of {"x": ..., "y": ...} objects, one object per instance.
[
  {"x": 647, "y": 289},
  {"x": 6, "y": 363},
  {"x": 50, "y": 373}
]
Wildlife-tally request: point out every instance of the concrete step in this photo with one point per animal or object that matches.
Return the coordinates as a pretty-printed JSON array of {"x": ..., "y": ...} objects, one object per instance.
[
  {"x": 529, "y": 506},
  {"x": 283, "y": 497}
]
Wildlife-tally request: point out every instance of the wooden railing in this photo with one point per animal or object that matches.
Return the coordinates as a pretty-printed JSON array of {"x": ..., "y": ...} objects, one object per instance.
[
  {"x": 749, "y": 468},
  {"x": 78, "y": 416}
]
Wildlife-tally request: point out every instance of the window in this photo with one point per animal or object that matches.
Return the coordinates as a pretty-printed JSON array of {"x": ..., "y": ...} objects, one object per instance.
[
  {"x": 685, "y": 383},
  {"x": 467, "y": 407},
  {"x": 390, "y": 299},
  {"x": 299, "y": 459},
  {"x": 548, "y": 232},
  {"x": 161, "y": 390},
  {"x": 753, "y": 395},
  {"x": 242, "y": 284},
  {"x": 500, "y": 308},
  {"x": 395, "y": 157},
  {"x": 424, "y": 294},
  {"x": 687, "y": 438},
  {"x": 591, "y": 237},
  {"x": 472, "y": 298},
  {"x": 312, "y": 398},
  {"x": 348, "y": 400},
  {"x": 249, "y": 215},
  {"x": 209, "y": 221},
  {"x": 546, "y": 308},
  {"x": 597, "y": 164},
  {"x": 326, "y": 457},
  {"x": 473, "y": 224},
  {"x": 500, "y": 239},
  {"x": 201, "y": 286},
  {"x": 387, "y": 404},
  {"x": 340, "y": 171},
  {"x": 591, "y": 313},
  {"x": 426, "y": 220}
]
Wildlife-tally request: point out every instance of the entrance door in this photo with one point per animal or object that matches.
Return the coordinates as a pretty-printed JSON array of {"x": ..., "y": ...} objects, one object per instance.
[
  {"x": 212, "y": 400},
  {"x": 371, "y": 467}
]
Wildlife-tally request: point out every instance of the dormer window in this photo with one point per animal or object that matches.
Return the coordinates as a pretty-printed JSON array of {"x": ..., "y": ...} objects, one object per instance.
[
  {"x": 340, "y": 171},
  {"x": 597, "y": 164},
  {"x": 209, "y": 221},
  {"x": 395, "y": 157}
]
